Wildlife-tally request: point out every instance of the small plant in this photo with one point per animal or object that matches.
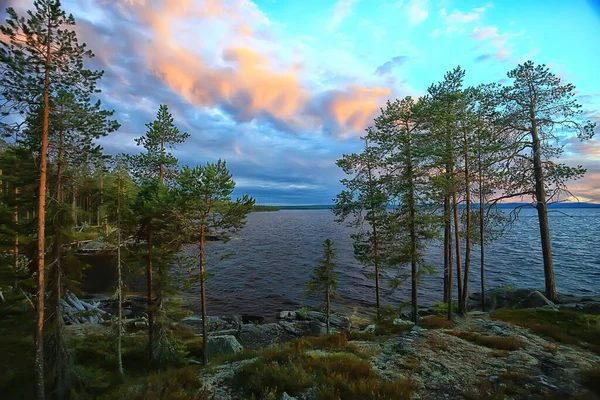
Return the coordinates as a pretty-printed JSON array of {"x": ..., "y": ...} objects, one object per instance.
[
  {"x": 499, "y": 353},
  {"x": 324, "y": 279},
  {"x": 442, "y": 308},
  {"x": 494, "y": 342},
  {"x": 551, "y": 348},
  {"x": 436, "y": 322}
]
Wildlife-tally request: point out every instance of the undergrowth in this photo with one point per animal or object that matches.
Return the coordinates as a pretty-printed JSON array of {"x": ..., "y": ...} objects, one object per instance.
[
  {"x": 567, "y": 327},
  {"x": 493, "y": 342}
]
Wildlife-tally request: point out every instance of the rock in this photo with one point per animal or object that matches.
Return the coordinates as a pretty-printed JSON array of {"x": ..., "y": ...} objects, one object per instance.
[
  {"x": 286, "y": 396},
  {"x": 398, "y": 321},
  {"x": 534, "y": 300},
  {"x": 370, "y": 328},
  {"x": 252, "y": 319},
  {"x": 592, "y": 308},
  {"x": 493, "y": 378},
  {"x": 521, "y": 357},
  {"x": 296, "y": 328},
  {"x": 337, "y": 321},
  {"x": 317, "y": 328},
  {"x": 286, "y": 315},
  {"x": 226, "y": 344},
  {"x": 253, "y": 336}
]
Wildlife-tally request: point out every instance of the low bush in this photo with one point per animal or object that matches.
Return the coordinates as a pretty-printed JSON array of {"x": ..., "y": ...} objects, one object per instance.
[
  {"x": 436, "y": 322},
  {"x": 493, "y": 342},
  {"x": 563, "y": 326}
]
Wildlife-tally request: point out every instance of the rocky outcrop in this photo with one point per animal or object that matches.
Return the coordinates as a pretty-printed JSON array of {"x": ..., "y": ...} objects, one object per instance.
[
  {"x": 225, "y": 344},
  {"x": 534, "y": 300}
]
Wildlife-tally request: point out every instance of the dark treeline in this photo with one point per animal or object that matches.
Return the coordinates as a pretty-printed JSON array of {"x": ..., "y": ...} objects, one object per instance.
[
  {"x": 58, "y": 189},
  {"x": 437, "y": 167}
]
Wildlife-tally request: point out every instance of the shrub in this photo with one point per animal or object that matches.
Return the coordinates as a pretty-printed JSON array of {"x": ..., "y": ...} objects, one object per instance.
[
  {"x": 591, "y": 380},
  {"x": 563, "y": 326},
  {"x": 494, "y": 342},
  {"x": 436, "y": 322}
]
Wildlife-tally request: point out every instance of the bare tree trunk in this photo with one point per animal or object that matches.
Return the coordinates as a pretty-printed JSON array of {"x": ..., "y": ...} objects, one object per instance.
[
  {"x": 119, "y": 284},
  {"x": 542, "y": 210},
  {"x": 465, "y": 288},
  {"x": 482, "y": 233},
  {"x": 447, "y": 251},
  {"x": 74, "y": 204},
  {"x": 328, "y": 307},
  {"x": 413, "y": 232},
  {"x": 41, "y": 219},
  {"x": 203, "y": 296},
  {"x": 149, "y": 284},
  {"x": 456, "y": 230},
  {"x": 161, "y": 167},
  {"x": 375, "y": 238},
  {"x": 59, "y": 362},
  {"x": 16, "y": 240}
]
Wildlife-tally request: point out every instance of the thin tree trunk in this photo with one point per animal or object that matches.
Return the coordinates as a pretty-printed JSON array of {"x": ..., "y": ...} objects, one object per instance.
[
  {"x": 413, "y": 231},
  {"x": 149, "y": 284},
  {"x": 447, "y": 241},
  {"x": 482, "y": 233},
  {"x": 465, "y": 288},
  {"x": 119, "y": 284},
  {"x": 456, "y": 231},
  {"x": 16, "y": 240},
  {"x": 203, "y": 296},
  {"x": 41, "y": 219},
  {"x": 161, "y": 167},
  {"x": 375, "y": 238},
  {"x": 328, "y": 307},
  {"x": 74, "y": 204},
  {"x": 59, "y": 363},
  {"x": 542, "y": 210}
]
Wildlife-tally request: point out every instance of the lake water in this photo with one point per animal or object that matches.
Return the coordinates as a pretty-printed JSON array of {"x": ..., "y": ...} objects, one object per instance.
[{"x": 276, "y": 252}]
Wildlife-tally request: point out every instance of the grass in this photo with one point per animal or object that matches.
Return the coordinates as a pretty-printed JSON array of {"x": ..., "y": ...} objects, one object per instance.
[
  {"x": 515, "y": 385},
  {"x": 436, "y": 322},
  {"x": 175, "y": 384},
  {"x": 567, "y": 327},
  {"x": 499, "y": 353},
  {"x": 591, "y": 380},
  {"x": 438, "y": 344},
  {"x": 339, "y": 371},
  {"x": 494, "y": 342}
]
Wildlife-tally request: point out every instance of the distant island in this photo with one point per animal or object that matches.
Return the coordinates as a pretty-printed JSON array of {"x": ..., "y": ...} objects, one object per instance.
[{"x": 502, "y": 205}]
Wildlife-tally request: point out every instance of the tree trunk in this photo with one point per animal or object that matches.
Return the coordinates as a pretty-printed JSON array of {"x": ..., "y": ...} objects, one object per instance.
[
  {"x": 203, "y": 296},
  {"x": 16, "y": 240},
  {"x": 447, "y": 251},
  {"x": 327, "y": 307},
  {"x": 119, "y": 284},
  {"x": 375, "y": 238},
  {"x": 59, "y": 362},
  {"x": 465, "y": 288},
  {"x": 413, "y": 231},
  {"x": 448, "y": 230},
  {"x": 74, "y": 204},
  {"x": 41, "y": 219},
  {"x": 542, "y": 210},
  {"x": 149, "y": 285},
  {"x": 482, "y": 235},
  {"x": 161, "y": 167},
  {"x": 456, "y": 235}
]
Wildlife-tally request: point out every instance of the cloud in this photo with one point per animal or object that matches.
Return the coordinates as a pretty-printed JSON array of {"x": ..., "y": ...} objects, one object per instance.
[
  {"x": 490, "y": 37},
  {"x": 417, "y": 11},
  {"x": 387, "y": 67},
  {"x": 458, "y": 17},
  {"x": 341, "y": 10}
]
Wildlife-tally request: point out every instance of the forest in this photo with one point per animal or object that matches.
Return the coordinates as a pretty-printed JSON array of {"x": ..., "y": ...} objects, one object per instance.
[{"x": 433, "y": 168}]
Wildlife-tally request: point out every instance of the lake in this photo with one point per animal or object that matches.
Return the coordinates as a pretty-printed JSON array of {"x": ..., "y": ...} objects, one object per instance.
[{"x": 276, "y": 252}]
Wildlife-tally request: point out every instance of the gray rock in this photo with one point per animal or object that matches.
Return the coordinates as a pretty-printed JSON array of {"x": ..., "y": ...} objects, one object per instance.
[
  {"x": 253, "y": 336},
  {"x": 286, "y": 396},
  {"x": 336, "y": 321},
  {"x": 370, "y": 328},
  {"x": 398, "y": 321},
  {"x": 317, "y": 328},
  {"x": 592, "y": 308},
  {"x": 286, "y": 315},
  {"x": 534, "y": 300},
  {"x": 226, "y": 344}
]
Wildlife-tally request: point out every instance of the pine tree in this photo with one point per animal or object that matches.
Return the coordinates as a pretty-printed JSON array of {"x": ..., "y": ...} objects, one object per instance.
[
  {"x": 206, "y": 194},
  {"x": 536, "y": 105},
  {"x": 161, "y": 136},
  {"x": 323, "y": 280},
  {"x": 40, "y": 55},
  {"x": 363, "y": 204}
]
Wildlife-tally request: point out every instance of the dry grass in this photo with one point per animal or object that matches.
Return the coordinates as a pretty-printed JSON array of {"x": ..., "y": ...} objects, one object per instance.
[
  {"x": 563, "y": 326},
  {"x": 551, "y": 348},
  {"x": 334, "y": 376},
  {"x": 436, "y": 322},
  {"x": 591, "y": 380},
  {"x": 494, "y": 342},
  {"x": 499, "y": 353},
  {"x": 438, "y": 344}
]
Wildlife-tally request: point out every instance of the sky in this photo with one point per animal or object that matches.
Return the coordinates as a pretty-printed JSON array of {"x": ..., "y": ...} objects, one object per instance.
[{"x": 281, "y": 89}]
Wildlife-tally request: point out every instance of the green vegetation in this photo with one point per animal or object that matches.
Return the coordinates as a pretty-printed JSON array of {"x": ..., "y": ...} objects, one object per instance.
[
  {"x": 323, "y": 280},
  {"x": 567, "y": 327},
  {"x": 591, "y": 380},
  {"x": 495, "y": 342},
  {"x": 336, "y": 374},
  {"x": 436, "y": 322}
]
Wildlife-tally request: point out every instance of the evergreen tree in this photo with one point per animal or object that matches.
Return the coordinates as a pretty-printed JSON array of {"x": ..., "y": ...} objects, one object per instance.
[
  {"x": 323, "y": 280},
  {"x": 206, "y": 192},
  {"x": 536, "y": 105},
  {"x": 161, "y": 136},
  {"x": 363, "y": 204},
  {"x": 40, "y": 54}
]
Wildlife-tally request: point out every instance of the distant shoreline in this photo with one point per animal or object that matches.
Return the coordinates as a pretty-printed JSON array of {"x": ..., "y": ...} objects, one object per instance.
[{"x": 501, "y": 206}]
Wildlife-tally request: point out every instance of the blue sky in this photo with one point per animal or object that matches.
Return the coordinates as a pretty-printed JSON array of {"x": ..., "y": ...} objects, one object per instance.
[{"x": 283, "y": 88}]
